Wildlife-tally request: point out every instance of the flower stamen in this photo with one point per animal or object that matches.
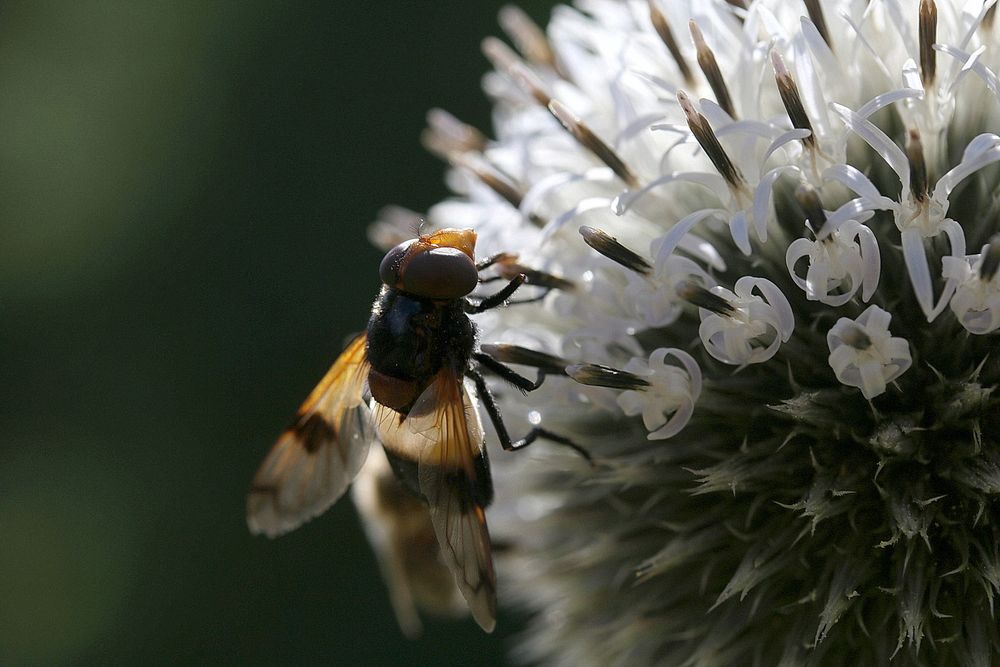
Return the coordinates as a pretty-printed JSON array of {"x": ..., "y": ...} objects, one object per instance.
[
  {"x": 815, "y": 11},
  {"x": 808, "y": 199},
  {"x": 928, "y": 35},
  {"x": 919, "y": 187},
  {"x": 523, "y": 356},
  {"x": 599, "y": 375},
  {"x": 445, "y": 135},
  {"x": 586, "y": 137},
  {"x": 991, "y": 259},
  {"x": 792, "y": 100},
  {"x": 609, "y": 246},
  {"x": 701, "y": 297},
  {"x": 710, "y": 67},
  {"x": 489, "y": 176},
  {"x": 662, "y": 28},
  {"x": 856, "y": 337},
  {"x": 505, "y": 60},
  {"x": 703, "y": 132},
  {"x": 527, "y": 36},
  {"x": 477, "y": 165}
]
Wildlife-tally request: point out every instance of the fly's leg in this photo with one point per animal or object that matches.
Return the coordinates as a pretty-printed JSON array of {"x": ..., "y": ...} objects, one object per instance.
[{"x": 490, "y": 405}]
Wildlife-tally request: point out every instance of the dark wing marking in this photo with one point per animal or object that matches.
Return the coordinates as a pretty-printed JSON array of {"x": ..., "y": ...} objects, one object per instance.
[
  {"x": 315, "y": 459},
  {"x": 442, "y": 432}
]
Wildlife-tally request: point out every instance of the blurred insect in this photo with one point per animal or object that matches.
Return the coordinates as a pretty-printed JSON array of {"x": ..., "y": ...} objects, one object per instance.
[
  {"x": 400, "y": 531},
  {"x": 403, "y": 381}
]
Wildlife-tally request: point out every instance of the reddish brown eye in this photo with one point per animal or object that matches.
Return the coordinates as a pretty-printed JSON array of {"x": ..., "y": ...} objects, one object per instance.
[
  {"x": 388, "y": 270},
  {"x": 440, "y": 273}
]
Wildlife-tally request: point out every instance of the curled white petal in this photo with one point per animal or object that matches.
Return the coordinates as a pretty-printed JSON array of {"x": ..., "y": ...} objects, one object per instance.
[
  {"x": 976, "y": 302},
  {"x": 668, "y": 402},
  {"x": 864, "y": 354},
  {"x": 839, "y": 264},
  {"x": 755, "y": 328},
  {"x": 879, "y": 142}
]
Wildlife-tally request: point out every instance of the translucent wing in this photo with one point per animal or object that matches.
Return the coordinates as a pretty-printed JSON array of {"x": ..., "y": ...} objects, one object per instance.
[
  {"x": 315, "y": 459},
  {"x": 442, "y": 434}
]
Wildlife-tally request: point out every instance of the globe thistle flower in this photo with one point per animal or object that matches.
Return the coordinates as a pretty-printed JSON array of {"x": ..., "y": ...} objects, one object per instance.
[{"x": 780, "y": 355}]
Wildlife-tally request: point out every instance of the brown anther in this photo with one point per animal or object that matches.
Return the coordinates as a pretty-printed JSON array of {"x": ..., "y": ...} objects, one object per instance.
[
  {"x": 710, "y": 67},
  {"x": 808, "y": 199},
  {"x": 598, "y": 375},
  {"x": 490, "y": 177},
  {"x": 991, "y": 259},
  {"x": 791, "y": 99},
  {"x": 493, "y": 179},
  {"x": 609, "y": 246},
  {"x": 586, "y": 137},
  {"x": 857, "y": 338},
  {"x": 697, "y": 295},
  {"x": 523, "y": 356},
  {"x": 815, "y": 11},
  {"x": 739, "y": 4},
  {"x": 928, "y": 35},
  {"x": 989, "y": 17},
  {"x": 509, "y": 268},
  {"x": 918, "y": 167},
  {"x": 662, "y": 27},
  {"x": 529, "y": 39},
  {"x": 505, "y": 60},
  {"x": 702, "y": 131},
  {"x": 446, "y": 135}
]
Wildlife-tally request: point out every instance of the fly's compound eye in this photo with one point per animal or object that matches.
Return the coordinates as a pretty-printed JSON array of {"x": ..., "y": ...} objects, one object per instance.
[
  {"x": 390, "y": 268},
  {"x": 438, "y": 273}
]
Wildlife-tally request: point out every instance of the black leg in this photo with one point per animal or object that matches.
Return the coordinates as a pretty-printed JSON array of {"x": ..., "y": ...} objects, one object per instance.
[
  {"x": 494, "y": 300},
  {"x": 531, "y": 299},
  {"x": 490, "y": 404},
  {"x": 510, "y": 375},
  {"x": 492, "y": 259}
]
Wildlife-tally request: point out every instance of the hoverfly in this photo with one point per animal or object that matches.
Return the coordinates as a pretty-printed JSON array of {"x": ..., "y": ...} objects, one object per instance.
[{"x": 402, "y": 382}]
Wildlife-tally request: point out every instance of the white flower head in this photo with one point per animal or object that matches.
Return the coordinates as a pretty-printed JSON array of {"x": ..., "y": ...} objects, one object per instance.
[
  {"x": 761, "y": 183},
  {"x": 864, "y": 354}
]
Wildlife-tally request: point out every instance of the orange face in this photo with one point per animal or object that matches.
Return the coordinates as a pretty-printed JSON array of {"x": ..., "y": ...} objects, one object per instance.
[{"x": 439, "y": 266}]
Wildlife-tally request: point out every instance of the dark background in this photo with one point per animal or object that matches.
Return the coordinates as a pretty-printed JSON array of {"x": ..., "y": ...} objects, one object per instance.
[{"x": 184, "y": 188}]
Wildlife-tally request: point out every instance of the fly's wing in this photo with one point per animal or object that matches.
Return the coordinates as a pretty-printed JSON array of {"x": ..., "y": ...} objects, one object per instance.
[
  {"x": 379, "y": 524},
  {"x": 315, "y": 459},
  {"x": 400, "y": 531},
  {"x": 443, "y": 435}
]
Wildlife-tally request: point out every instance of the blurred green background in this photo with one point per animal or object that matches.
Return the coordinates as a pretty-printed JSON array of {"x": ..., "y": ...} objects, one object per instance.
[{"x": 184, "y": 188}]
